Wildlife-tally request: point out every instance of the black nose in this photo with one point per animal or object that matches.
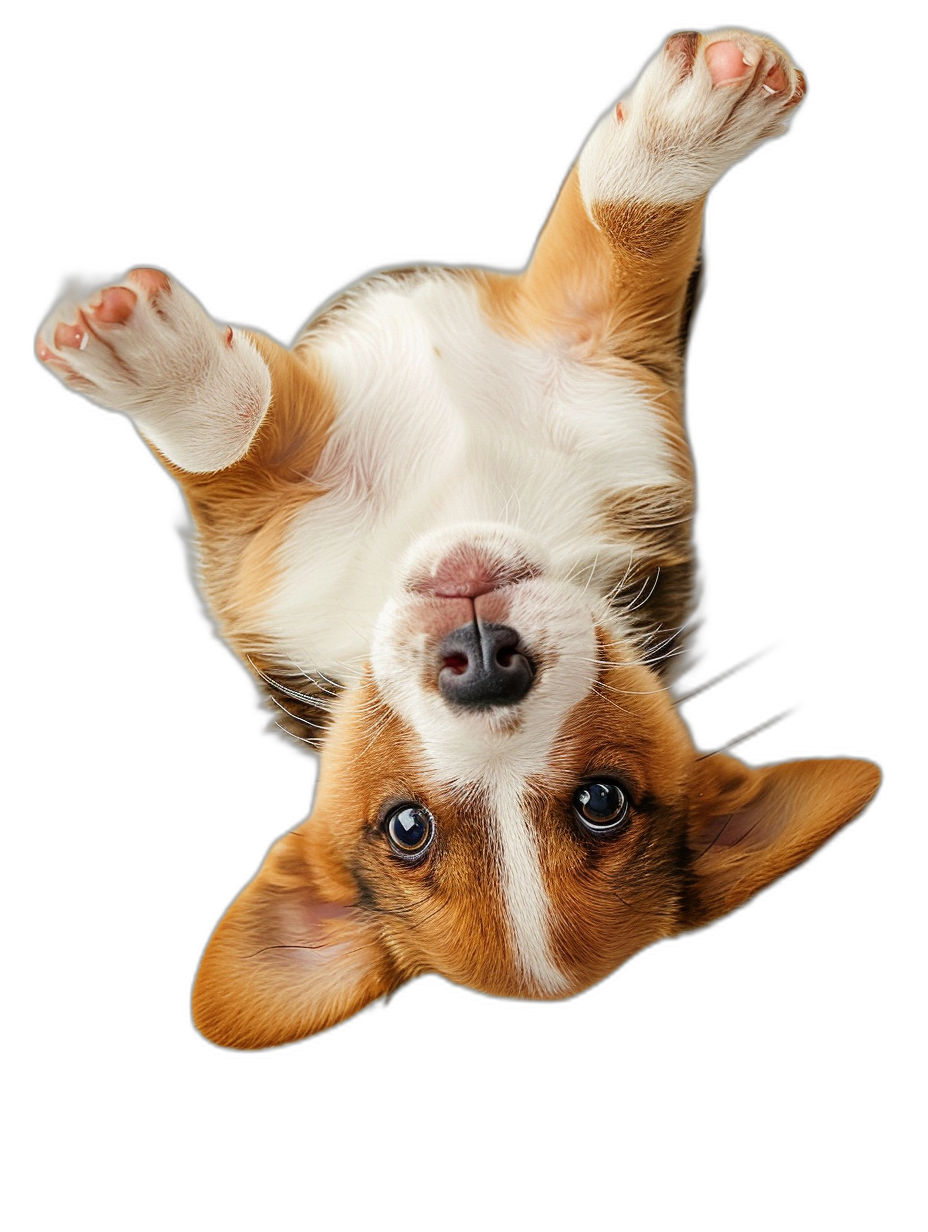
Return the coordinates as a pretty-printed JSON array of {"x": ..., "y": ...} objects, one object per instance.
[{"x": 482, "y": 666}]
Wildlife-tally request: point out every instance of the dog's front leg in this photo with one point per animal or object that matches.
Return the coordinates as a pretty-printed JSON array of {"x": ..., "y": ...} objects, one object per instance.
[
  {"x": 613, "y": 266},
  {"x": 206, "y": 396}
]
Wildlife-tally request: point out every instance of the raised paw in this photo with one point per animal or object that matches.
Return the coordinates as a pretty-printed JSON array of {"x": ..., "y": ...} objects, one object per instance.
[
  {"x": 197, "y": 390},
  {"x": 77, "y": 327},
  {"x": 704, "y": 102},
  {"x": 750, "y": 66}
]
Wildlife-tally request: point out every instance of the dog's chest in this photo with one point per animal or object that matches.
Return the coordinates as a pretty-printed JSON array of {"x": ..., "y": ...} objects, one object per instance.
[{"x": 441, "y": 421}]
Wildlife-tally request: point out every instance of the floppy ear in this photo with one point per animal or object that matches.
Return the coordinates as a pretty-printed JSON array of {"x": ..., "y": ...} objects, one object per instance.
[
  {"x": 284, "y": 962},
  {"x": 747, "y": 827}
]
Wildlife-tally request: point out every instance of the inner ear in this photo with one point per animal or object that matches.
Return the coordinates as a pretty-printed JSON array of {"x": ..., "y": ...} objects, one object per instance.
[
  {"x": 749, "y": 826},
  {"x": 287, "y": 960}
]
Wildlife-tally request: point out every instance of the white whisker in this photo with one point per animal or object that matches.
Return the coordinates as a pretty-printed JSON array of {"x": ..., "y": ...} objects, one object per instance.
[
  {"x": 296, "y": 717},
  {"x": 639, "y": 602},
  {"x": 297, "y": 696},
  {"x": 313, "y": 743}
]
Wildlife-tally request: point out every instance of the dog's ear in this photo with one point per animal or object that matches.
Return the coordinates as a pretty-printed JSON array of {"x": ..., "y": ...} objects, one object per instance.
[
  {"x": 284, "y": 961},
  {"x": 747, "y": 827}
]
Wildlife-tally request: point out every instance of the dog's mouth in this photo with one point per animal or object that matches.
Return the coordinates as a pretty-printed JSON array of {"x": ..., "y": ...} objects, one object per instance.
[
  {"x": 461, "y": 616},
  {"x": 469, "y": 570},
  {"x": 483, "y": 650}
]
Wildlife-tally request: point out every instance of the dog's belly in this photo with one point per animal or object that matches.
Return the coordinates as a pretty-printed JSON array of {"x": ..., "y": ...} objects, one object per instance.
[{"x": 443, "y": 421}]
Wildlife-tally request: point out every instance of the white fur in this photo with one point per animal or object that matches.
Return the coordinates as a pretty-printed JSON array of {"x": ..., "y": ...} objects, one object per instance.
[
  {"x": 528, "y": 906},
  {"x": 500, "y": 753},
  {"x": 425, "y": 440},
  {"x": 678, "y": 136},
  {"x": 451, "y": 434},
  {"x": 461, "y": 748},
  {"x": 197, "y": 399}
]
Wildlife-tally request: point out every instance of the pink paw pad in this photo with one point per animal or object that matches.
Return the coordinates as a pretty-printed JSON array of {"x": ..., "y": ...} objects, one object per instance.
[
  {"x": 112, "y": 306},
  {"x": 152, "y": 281},
  {"x": 726, "y": 63},
  {"x": 727, "y": 66}
]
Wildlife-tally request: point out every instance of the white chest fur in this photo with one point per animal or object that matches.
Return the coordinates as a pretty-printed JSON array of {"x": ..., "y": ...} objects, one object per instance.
[{"x": 443, "y": 420}]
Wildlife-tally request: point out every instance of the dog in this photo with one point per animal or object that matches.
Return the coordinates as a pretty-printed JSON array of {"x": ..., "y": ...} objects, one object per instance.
[{"x": 449, "y": 532}]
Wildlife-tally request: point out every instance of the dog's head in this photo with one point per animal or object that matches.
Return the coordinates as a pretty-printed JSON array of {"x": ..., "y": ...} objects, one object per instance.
[{"x": 508, "y": 798}]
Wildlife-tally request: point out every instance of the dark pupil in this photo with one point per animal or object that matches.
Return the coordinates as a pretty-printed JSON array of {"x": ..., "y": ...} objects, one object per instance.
[
  {"x": 410, "y": 827},
  {"x": 600, "y": 802}
]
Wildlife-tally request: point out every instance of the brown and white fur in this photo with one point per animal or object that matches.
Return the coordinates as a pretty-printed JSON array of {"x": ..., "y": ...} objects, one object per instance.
[{"x": 462, "y": 450}]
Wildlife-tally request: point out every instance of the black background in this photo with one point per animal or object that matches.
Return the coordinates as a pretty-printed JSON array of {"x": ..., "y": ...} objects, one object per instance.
[{"x": 266, "y": 175}]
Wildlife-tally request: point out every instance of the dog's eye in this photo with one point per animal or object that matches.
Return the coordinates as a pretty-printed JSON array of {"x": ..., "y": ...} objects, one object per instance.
[
  {"x": 602, "y": 806},
  {"x": 410, "y": 829}
]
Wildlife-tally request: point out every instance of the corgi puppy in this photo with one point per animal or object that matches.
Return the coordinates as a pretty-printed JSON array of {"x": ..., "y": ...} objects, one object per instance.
[{"x": 450, "y": 533}]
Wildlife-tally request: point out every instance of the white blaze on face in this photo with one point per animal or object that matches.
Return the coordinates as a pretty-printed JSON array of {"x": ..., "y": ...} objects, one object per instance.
[{"x": 528, "y": 906}]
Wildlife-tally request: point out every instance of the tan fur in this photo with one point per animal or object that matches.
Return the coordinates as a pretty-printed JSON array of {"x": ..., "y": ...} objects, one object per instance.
[
  {"x": 585, "y": 281},
  {"x": 671, "y": 869},
  {"x": 744, "y": 831},
  {"x": 242, "y": 513},
  {"x": 517, "y": 894}
]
